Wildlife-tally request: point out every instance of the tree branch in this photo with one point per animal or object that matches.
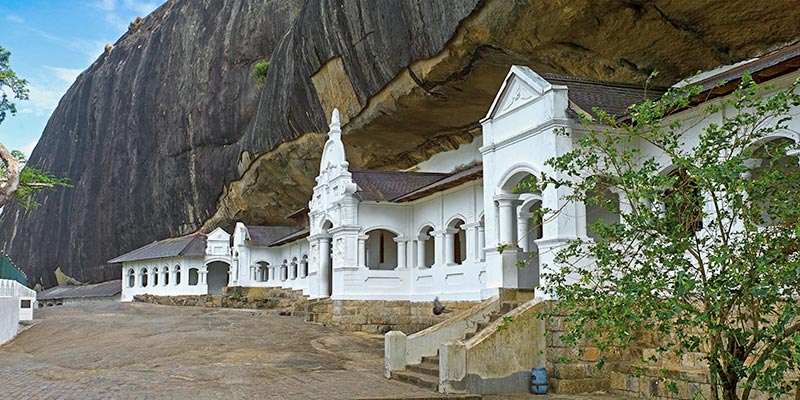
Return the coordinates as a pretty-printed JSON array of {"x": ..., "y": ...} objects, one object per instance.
[{"x": 12, "y": 180}]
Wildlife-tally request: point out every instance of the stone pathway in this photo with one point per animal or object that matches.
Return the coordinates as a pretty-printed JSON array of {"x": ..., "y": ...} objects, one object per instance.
[{"x": 108, "y": 350}]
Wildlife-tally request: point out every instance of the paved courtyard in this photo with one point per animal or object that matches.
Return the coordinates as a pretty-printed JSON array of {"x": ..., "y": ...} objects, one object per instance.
[{"x": 108, "y": 350}]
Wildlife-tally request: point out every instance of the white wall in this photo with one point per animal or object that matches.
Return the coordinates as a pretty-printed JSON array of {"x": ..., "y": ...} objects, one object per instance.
[{"x": 9, "y": 318}]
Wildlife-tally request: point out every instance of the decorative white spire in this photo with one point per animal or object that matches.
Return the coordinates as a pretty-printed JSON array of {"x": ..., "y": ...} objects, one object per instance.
[{"x": 336, "y": 126}]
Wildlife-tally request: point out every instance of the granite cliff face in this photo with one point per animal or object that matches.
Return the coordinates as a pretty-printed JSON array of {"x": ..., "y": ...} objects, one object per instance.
[{"x": 165, "y": 133}]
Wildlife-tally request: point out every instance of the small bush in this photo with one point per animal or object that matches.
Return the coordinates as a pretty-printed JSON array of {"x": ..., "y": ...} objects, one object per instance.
[{"x": 259, "y": 73}]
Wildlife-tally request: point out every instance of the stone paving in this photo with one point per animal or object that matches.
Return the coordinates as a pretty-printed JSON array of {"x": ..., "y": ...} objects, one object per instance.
[{"x": 107, "y": 350}]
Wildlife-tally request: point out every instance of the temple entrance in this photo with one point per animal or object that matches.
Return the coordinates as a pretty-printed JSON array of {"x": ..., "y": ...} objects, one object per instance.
[{"x": 217, "y": 277}]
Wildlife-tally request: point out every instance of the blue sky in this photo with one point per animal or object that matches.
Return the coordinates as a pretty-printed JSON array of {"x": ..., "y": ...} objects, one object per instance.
[{"x": 51, "y": 42}]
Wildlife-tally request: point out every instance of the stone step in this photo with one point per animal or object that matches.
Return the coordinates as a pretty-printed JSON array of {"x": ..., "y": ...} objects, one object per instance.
[
  {"x": 470, "y": 335},
  {"x": 418, "y": 379},
  {"x": 431, "y": 360},
  {"x": 428, "y": 368},
  {"x": 507, "y": 306}
]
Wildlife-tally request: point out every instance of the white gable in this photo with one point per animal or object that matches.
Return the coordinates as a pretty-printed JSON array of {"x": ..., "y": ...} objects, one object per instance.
[
  {"x": 219, "y": 234},
  {"x": 520, "y": 87}
]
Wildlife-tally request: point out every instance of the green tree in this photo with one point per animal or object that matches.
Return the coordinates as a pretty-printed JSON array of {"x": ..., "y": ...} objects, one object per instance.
[
  {"x": 18, "y": 181},
  {"x": 706, "y": 257}
]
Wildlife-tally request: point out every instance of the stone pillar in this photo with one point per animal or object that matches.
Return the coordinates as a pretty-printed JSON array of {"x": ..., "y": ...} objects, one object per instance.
[
  {"x": 203, "y": 275},
  {"x": 449, "y": 246},
  {"x": 401, "y": 252},
  {"x": 362, "y": 251},
  {"x": 421, "y": 250},
  {"x": 506, "y": 207},
  {"x": 481, "y": 243},
  {"x": 473, "y": 250},
  {"x": 325, "y": 273},
  {"x": 394, "y": 350},
  {"x": 523, "y": 230},
  {"x": 438, "y": 244},
  {"x": 452, "y": 366}
]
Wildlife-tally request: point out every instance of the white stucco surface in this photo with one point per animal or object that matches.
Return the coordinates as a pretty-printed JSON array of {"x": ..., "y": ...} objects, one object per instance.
[{"x": 9, "y": 318}]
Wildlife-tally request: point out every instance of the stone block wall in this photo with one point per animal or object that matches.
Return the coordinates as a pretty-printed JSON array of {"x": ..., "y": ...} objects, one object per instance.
[
  {"x": 377, "y": 316},
  {"x": 370, "y": 316}
]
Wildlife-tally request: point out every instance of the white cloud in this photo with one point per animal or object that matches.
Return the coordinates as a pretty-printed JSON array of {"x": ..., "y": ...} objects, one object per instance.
[
  {"x": 141, "y": 7},
  {"x": 68, "y": 75},
  {"x": 105, "y": 5},
  {"x": 41, "y": 102},
  {"x": 15, "y": 18},
  {"x": 28, "y": 148}
]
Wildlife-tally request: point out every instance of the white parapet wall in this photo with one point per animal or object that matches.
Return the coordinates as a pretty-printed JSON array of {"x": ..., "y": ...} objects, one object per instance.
[
  {"x": 9, "y": 318},
  {"x": 24, "y": 298}
]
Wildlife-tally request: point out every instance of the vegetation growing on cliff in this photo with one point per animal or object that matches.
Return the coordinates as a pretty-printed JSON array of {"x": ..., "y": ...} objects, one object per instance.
[
  {"x": 18, "y": 181},
  {"x": 706, "y": 257},
  {"x": 259, "y": 73}
]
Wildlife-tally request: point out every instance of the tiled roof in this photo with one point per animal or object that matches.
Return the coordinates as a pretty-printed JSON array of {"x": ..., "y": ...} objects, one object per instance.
[
  {"x": 104, "y": 289},
  {"x": 265, "y": 235},
  {"x": 298, "y": 234},
  {"x": 452, "y": 180},
  {"x": 387, "y": 185},
  {"x": 613, "y": 98},
  {"x": 189, "y": 245}
]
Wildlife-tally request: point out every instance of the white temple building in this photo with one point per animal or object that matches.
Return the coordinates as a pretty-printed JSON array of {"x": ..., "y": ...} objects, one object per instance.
[{"x": 433, "y": 230}]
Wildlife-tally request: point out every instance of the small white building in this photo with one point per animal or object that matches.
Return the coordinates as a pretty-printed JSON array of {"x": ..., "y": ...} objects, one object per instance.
[{"x": 411, "y": 235}]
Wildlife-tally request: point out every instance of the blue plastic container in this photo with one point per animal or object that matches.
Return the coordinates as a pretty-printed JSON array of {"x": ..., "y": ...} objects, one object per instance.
[{"x": 539, "y": 381}]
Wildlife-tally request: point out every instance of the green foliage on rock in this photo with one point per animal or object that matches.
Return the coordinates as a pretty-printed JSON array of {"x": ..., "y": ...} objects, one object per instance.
[
  {"x": 259, "y": 73},
  {"x": 706, "y": 257},
  {"x": 9, "y": 82}
]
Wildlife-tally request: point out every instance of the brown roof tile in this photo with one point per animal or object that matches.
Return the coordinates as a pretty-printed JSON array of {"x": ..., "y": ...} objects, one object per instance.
[
  {"x": 387, "y": 185},
  {"x": 189, "y": 245}
]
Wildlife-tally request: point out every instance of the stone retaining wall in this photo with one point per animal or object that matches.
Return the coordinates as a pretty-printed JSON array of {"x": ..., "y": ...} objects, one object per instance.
[{"x": 370, "y": 316}]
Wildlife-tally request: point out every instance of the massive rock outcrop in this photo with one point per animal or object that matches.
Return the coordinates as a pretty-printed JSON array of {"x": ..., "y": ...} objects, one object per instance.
[{"x": 166, "y": 133}]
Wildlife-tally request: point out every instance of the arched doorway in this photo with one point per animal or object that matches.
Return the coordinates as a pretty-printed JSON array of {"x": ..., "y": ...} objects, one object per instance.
[{"x": 217, "y": 276}]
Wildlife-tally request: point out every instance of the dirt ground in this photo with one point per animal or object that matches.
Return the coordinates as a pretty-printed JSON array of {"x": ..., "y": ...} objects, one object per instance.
[{"x": 107, "y": 350}]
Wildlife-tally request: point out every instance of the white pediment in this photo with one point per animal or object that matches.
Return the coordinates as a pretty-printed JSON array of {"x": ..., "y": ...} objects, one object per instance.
[
  {"x": 520, "y": 87},
  {"x": 219, "y": 234}
]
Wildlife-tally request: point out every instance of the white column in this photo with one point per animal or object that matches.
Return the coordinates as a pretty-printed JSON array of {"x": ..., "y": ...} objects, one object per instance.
[
  {"x": 175, "y": 277},
  {"x": 449, "y": 246},
  {"x": 271, "y": 273},
  {"x": 362, "y": 251},
  {"x": 401, "y": 253},
  {"x": 438, "y": 245},
  {"x": 293, "y": 270},
  {"x": 421, "y": 250},
  {"x": 325, "y": 272},
  {"x": 473, "y": 249},
  {"x": 523, "y": 230},
  {"x": 506, "y": 213},
  {"x": 481, "y": 243},
  {"x": 201, "y": 275}
]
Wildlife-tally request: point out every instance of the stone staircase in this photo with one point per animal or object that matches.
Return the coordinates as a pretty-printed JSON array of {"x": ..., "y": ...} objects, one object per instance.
[{"x": 426, "y": 373}]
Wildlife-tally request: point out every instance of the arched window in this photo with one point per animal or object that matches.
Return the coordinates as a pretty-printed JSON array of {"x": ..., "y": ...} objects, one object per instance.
[
  {"x": 602, "y": 207},
  {"x": 144, "y": 277},
  {"x": 457, "y": 242},
  {"x": 381, "y": 250},
  {"x": 155, "y": 276},
  {"x": 131, "y": 278},
  {"x": 304, "y": 266},
  {"x": 293, "y": 274},
  {"x": 773, "y": 181},
  {"x": 284, "y": 270},
  {"x": 177, "y": 275},
  {"x": 262, "y": 271},
  {"x": 426, "y": 248},
  {"x": 166, "y": 276},
  {"x": 193, "y": 276}
]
